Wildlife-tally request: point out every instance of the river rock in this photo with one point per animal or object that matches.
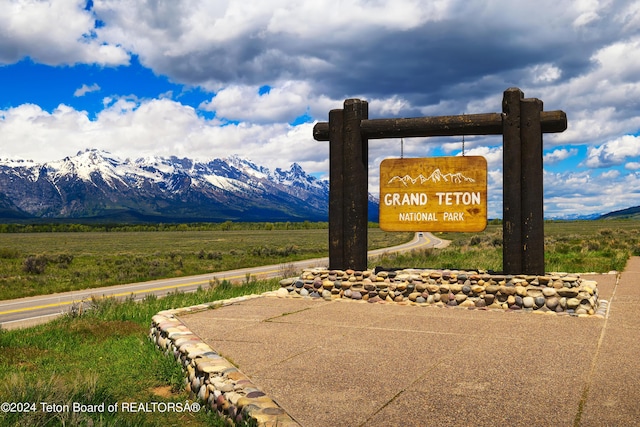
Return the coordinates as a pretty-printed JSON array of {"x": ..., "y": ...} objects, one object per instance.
[
  {"x": 459, "y": 298},
  {"x": 492, "y": 289},
  {"x": 455, "y": 288},
  {"x": 477, "y": 289},
  {"x": 568, "y": 292},
  {"x": 528, "y": 302},
  {"x": 508, "y": 290},
  {"x": 433, "y": 288},
  {"x": 573, "y": 303}
]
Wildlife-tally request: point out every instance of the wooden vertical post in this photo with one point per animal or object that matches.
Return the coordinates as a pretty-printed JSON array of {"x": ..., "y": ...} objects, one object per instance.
[
  {"x": 522, "y": 206},
  {"x": 511, "y": 179},
  {"x": 355, "y": 184},
  {"x": 336, "y": 192},
  {"x": 532, "y": 187}
]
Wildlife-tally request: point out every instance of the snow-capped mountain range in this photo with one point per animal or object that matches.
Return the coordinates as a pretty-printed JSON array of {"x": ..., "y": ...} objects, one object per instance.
[{"x": 97, "y": 185}]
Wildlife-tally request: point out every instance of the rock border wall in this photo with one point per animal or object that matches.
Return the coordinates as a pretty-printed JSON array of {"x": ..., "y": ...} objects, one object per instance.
[{"x": 558, "y": 293}]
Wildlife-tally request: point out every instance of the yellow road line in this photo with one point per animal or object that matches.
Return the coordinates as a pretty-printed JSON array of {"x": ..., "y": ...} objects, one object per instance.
[{"x": 121, "y": 294}]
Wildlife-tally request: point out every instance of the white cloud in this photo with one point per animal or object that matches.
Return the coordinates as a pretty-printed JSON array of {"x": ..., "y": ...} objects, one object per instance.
[
  {"x": 244, "y": 103},
  {"x": 545, "y": 73},
  {"x": 492, "y": 154},
  {"x": 602, "y": 102},
  {"x": 589, "y": 11},
  {"x": 82, "y": 91},
  {"x": 559, "y": 155},
  {"x": 610, "y": 174},
  {"x": 388, "y": 107},
  {"x": 634, "y": 166},
  {"x": 629, "y": 17},
  {"x": 352, "y": 16},
  {"x": 53, "y": 32},
  {"x": 614, "y": 152}
]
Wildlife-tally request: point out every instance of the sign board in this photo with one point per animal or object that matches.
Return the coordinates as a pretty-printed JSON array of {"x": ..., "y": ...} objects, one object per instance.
[{"x": 434, "y": 194}]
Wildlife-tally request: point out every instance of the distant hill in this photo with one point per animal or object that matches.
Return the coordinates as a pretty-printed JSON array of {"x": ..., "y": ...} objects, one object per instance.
[
  {"x": 630, "y": 213},
  {"x": 97, "y": 186}
]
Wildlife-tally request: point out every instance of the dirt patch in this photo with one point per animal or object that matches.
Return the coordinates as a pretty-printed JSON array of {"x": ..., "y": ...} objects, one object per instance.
[
  {"x": 21, "y": 357},
  {"x": 92, "y": 328},
  {"x": 162, "y": 391}
]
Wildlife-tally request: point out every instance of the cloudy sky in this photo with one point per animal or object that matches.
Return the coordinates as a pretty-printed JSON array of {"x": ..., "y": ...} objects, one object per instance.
[{"x": 212, "y": 78}]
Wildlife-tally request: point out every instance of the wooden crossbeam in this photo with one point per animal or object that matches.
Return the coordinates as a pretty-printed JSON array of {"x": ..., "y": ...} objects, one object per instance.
[{"x": 467, "y": 124}]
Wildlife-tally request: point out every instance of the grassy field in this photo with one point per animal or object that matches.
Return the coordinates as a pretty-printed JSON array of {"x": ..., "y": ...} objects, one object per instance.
[
  {"x": 44, "y": 263},
  {"x": 101, "y": 357},
  {"x": 104, "y": 356},
  {"x": 570, "y": 246}
]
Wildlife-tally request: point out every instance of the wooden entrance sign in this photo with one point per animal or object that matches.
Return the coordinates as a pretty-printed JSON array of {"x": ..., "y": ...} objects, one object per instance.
[
  {"x": 433, "y": 194},
  {"x": 521, "y": 124}
]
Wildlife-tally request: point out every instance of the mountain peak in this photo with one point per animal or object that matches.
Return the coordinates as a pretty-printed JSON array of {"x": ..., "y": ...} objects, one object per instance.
[
  {"x": 297, "y": 169},
  {"x": 96, "y": 183}
]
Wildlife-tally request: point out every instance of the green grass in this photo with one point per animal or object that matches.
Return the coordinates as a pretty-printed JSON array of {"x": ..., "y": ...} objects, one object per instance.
[
  {"x": 44, "y": 263},
  {"x": 102, "y": 356},
  {"x": 570, "y": 246}
]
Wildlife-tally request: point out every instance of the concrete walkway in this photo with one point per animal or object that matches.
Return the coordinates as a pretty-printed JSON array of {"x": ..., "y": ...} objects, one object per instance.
[{"x": 346, "y": 363}]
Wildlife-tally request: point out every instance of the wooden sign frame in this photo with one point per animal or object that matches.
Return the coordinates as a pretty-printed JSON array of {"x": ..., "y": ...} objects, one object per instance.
[
  {"x": 434, "y": 194},
  {"x": 521, "y": 124}
]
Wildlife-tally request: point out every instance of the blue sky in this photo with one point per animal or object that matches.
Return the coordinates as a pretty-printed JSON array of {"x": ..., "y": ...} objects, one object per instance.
[{"x": 206, "y": 79}]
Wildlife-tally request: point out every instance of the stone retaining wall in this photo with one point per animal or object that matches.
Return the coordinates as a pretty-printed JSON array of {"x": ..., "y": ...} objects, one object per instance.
[
  {"x": 211, "y": 378},
  {"x": 559, "y": 293}
]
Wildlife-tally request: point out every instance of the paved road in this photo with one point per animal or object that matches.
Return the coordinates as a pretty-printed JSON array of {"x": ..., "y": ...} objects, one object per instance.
[{"x": 29, "y": 311}]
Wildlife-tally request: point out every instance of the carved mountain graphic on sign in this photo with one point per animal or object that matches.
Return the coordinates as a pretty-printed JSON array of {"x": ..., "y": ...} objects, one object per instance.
[{"x": 435, "y": 177}]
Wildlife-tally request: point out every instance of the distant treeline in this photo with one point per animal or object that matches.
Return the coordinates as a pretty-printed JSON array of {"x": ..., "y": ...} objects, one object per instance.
[{"x": 200, "y": 226}]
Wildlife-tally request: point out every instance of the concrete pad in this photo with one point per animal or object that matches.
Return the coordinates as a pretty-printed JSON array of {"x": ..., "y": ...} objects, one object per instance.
[
  {"x": 614, "y": 391},
  {"x": 519, "y": 378},
  {"x": 631, "y": 286},
  {"x": 232, "y": 322},
  {"x": 633, "y": 265},
  {"x": 606, "y": 284},
  {"x": 355, "y": 363},
  {"x": 259, "y": 309},
  {"x": 625, "y": 314},
  {"x": 414, "y": 408},
  {"x": 371, "y": 369}
]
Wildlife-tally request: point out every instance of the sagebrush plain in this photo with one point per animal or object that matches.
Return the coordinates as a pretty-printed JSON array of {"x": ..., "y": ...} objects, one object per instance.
[{"x": 44, "y": 263}]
